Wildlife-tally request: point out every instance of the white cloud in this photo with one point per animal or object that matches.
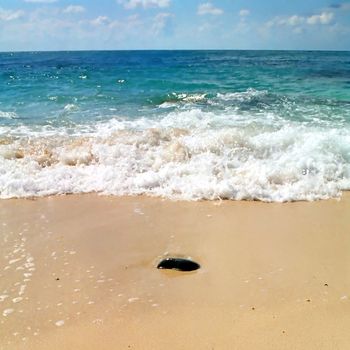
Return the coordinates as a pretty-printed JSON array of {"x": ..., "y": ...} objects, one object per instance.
[
  {"x": 160, "y": 21},
  {"x": 74, "y": 9},
  {"x": 41, "y": 1},
  {"x": 323, "y": 18},
  {"x": 100, "y": 20},
  {"x": 244, "y": 13},
  {"x": 292, "y": 21},
  {"x": 209, "y": 9},
  {"x": 132, "y": 4},
  {"x": 206, "y": 27},
  {"x": 9, "y": 15},
  {"x": 295, "y": 20}
]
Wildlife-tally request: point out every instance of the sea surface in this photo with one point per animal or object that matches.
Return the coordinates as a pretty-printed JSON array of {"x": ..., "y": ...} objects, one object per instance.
[{"x": 241, "y": 125}]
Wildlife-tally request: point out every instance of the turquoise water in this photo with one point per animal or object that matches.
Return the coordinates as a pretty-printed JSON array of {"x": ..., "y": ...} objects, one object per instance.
[{"x": 266, "y": 125}]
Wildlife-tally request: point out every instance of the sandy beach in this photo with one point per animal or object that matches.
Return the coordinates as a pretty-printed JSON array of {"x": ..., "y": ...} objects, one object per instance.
[{"x": 79, "y": 272}]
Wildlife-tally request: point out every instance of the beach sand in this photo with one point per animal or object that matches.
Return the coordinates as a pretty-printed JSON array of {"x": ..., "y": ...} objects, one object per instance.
[{"x": 79, "y": 272}]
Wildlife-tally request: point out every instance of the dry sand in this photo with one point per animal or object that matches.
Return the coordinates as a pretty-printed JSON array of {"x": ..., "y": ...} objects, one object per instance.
[{"x": 78, "y": 272}]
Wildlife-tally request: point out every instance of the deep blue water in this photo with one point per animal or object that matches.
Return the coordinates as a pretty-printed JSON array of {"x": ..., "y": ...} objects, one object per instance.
[{"x": 38, "y": 85}]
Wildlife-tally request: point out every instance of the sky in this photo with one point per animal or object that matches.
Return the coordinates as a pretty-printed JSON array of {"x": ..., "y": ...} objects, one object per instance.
[{"x": 39, "y": 25}]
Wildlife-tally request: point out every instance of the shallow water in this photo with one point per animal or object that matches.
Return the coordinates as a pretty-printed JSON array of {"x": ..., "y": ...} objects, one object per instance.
[{"x": 265, "y": 125}]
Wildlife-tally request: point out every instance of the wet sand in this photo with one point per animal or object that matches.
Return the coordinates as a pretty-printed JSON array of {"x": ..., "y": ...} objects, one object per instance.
[{"x": 78, "y": 272}]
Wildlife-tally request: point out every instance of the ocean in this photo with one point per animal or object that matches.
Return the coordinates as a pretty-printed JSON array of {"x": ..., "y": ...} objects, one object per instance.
[{"x": 272, "y": 126}]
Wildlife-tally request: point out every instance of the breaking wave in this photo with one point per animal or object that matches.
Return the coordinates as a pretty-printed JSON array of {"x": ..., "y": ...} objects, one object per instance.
[{"x": 188, "y": 154}]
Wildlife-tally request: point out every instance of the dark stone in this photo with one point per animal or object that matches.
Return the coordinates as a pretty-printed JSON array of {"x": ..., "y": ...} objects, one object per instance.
[{"x": 178, "y": 264}]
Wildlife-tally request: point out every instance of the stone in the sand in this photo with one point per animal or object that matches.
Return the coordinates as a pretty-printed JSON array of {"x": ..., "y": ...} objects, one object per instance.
[{"x": 179, "y": 264}]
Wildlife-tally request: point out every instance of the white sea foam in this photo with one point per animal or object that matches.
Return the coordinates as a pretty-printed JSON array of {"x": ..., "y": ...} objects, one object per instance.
[
  {"x": 70, "y": 107},
  {"x": 168, "y": 104},
  {"x": 242, "y": 96},
  {"x": 183, "y": 99},
  {"x": 186, "y": 154},
  {"x": 8, "y": 115}
]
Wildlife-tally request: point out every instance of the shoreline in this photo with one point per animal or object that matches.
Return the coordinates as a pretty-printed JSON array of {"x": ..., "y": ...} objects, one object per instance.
[
  {"x": 217, "y": 201},
  {"x": 79, "y": 271}
]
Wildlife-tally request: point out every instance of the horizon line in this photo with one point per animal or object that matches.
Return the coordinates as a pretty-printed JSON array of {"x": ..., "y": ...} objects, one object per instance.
[{"x": 143, "y": 50}]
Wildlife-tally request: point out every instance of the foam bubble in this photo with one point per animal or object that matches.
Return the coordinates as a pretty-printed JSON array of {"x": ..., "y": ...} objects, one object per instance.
[
  {"x": 7, "y": 312},
  {"x": 186, "y": 154},
  {"x": 59, "y": 323},
  {"x": 8, "y": 115},
  {"x": 17, "y": 300},
  {"x": 3, "y": 297}
]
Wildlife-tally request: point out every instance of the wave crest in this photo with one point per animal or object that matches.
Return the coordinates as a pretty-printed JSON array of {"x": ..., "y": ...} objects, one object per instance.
[{"x": 188, "y": 155}]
